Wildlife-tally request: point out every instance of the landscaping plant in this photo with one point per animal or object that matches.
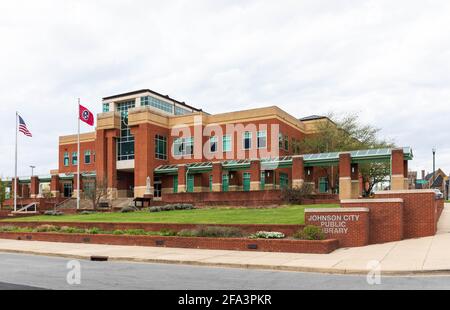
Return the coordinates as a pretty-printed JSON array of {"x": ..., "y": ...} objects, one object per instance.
[
  {"x": 268, "y": 235},
  {"x": 310, "y": 232}
]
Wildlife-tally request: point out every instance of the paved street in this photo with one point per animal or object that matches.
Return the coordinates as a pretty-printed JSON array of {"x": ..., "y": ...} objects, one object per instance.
[{"x": 51, "y": 273}]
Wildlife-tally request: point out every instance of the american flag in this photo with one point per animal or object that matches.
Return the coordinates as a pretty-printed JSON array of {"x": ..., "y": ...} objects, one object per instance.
[{"x": 23, "y": 127}]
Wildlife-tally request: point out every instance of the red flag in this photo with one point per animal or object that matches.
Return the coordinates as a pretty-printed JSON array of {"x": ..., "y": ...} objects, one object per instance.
[{"x": 86, "y": 116}]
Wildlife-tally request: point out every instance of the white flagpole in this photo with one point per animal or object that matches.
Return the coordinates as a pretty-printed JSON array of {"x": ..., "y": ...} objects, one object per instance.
[
  {"x": 15, "y": 168},
  {"x": 78, "y": 158}
]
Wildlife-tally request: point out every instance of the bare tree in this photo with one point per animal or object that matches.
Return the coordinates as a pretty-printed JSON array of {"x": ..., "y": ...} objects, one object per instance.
[{"x": 100, "y": 191}]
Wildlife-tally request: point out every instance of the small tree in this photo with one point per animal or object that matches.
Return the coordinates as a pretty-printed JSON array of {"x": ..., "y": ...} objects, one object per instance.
[
  {"x": 99, "y": 192},
  {"x": 297, "y": 194}
]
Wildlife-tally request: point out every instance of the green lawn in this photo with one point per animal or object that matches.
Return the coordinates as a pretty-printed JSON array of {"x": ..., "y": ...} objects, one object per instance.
[{"x": 283, "y": 215}]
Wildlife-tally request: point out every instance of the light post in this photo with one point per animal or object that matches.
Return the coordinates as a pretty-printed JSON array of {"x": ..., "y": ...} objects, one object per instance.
[
  {"x": 434, "y": 165},
  {"x": 32, "y": 170}
]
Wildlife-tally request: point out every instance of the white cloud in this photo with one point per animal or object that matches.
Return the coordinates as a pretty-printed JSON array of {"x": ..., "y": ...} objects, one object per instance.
[{"x": 387, "y": 60}]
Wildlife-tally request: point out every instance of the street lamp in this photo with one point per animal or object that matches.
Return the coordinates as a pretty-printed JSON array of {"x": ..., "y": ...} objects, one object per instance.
[
  {"x": 32, "y": 170},
  {"x": 434, "y": 165}
]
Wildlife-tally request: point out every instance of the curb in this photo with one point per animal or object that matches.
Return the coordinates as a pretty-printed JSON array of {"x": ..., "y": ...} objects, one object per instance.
[{"x": 334, "y": 271}]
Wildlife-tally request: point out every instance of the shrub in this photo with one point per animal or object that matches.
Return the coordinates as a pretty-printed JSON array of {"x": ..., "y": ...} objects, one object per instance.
[
  {"x": 93, "y": 231},
  {"x": 168, "y": 208},
  {"x": 118, "y": 232},
  {"x": 187, "y": 206},
  {"x": 188, "y": 233},
  {"x": 8, "y": 228},
  {"x": 53, "y": 213},
  {"x": 218, "y": 232},
  {"x": 310, "y": 232},
  {"x": 135, "y": 232},
  {"x": 167, "y": 232},
  {"x": 129, "y": 209},
  {"x": 268, "y": 235},
  {"x": 87, "y": 212},
  {"x": 297, "y": 194},
  {"x": 71, "y": 230},
  {"x": 155, "y": 209},
  {"x": 46, "y": 228}
]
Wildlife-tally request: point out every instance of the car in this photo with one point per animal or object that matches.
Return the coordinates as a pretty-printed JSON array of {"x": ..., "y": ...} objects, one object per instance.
[{"x": 439, "y": 194}]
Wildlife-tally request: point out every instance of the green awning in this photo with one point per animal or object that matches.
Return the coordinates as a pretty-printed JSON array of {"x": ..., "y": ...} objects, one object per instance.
[{"x": 310, "y": 160}]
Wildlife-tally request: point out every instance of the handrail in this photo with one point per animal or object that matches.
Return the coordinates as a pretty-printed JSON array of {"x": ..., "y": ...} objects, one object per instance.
[
  {"x": 25, "y": 209},
  {"x": 62, "y": 202}
]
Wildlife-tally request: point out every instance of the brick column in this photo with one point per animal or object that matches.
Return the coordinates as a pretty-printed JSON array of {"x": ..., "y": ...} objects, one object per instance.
[
  {"x": 356, "y": 184},
  {"x": 217, "y": 177},
  {"x": 397, "y": 170},
  {"x": 34, "y": 187},
  {"x": 405, "y": 173},
  {"x": 75, "y": 184},
  {"x": 182, "y": 169},
  {"x": 298, "y": 171},
  {"x": 111, "y": 163},
  {"x": 255, "y": 175},
  {"x": 25, "y": 191},
  {"x": 100, "y": 156},
  {"x": 144, "y": 154},
  {"x": 345, "y": 176},
  {"x": 54, "y": 186}
]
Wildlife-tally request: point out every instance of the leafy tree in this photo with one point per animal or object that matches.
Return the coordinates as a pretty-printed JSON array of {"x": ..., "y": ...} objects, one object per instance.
[
  {"x": 2, "y": 192},
  {"x": 348, "y": 134}
]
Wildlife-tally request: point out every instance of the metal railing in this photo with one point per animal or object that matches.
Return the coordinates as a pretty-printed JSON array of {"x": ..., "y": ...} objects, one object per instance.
[{"x": 25, "y": 209}]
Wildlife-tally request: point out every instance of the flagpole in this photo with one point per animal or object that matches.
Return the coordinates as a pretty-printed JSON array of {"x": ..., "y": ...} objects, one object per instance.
[
  {"x": 78, "y": 158},
  {"x": 15, "y": 170}
]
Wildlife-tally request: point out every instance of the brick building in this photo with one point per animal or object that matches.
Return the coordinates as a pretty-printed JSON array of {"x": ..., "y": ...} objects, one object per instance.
[{"x": 181, "y": 149}]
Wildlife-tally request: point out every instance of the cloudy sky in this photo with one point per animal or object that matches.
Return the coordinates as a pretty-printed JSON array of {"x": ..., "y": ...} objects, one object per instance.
[{"x": 389, "y": 61}]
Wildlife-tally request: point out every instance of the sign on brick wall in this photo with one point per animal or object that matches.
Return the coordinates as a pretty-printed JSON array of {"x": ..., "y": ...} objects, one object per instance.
[{"x": 350, "y": 225}]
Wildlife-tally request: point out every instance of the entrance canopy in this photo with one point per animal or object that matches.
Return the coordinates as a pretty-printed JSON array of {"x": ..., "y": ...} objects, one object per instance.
[{"x": 310, "y": 160}]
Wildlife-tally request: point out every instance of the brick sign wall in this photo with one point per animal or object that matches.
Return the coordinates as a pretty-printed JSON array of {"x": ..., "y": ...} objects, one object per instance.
[
  {"x": 386, "y": 218},
  {"x": 350, "y": 225},
  {"x": 420, "y": 211}
]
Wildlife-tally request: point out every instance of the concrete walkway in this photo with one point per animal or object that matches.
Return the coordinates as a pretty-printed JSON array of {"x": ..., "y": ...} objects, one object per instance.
[{"x": 413, "y": 256}]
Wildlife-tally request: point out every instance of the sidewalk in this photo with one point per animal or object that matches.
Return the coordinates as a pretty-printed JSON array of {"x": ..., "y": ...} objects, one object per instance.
[{"x": 414, "y": 256}]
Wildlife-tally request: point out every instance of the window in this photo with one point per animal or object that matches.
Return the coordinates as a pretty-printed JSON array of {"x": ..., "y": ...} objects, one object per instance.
[
  {"x": 74, "y": 158},
  {"x": 286, "y": 143},
  {"x": 280, "y": 141},
  {"x": 105, "y": 107},
  {"x": 160, "y": 147},
  {"x": 157, "y": 103},
  {"x": 183, "y": 146},
  {"x": 247, "y": 140},
  {"x": 66, "y": 159},
  {"x": 157, "y": 187},
  {"x": 181, "y": 111},
  {"x": 87, "y": 157},
  {"x": 226, "y": 143},
  {"x": 246, "y": 181},
  {"x": 126, "y": 139},
  {"x": 175, "y": 184},
  {"x": 213, "y": 144},
  {"x": 262, "y": 139}
]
